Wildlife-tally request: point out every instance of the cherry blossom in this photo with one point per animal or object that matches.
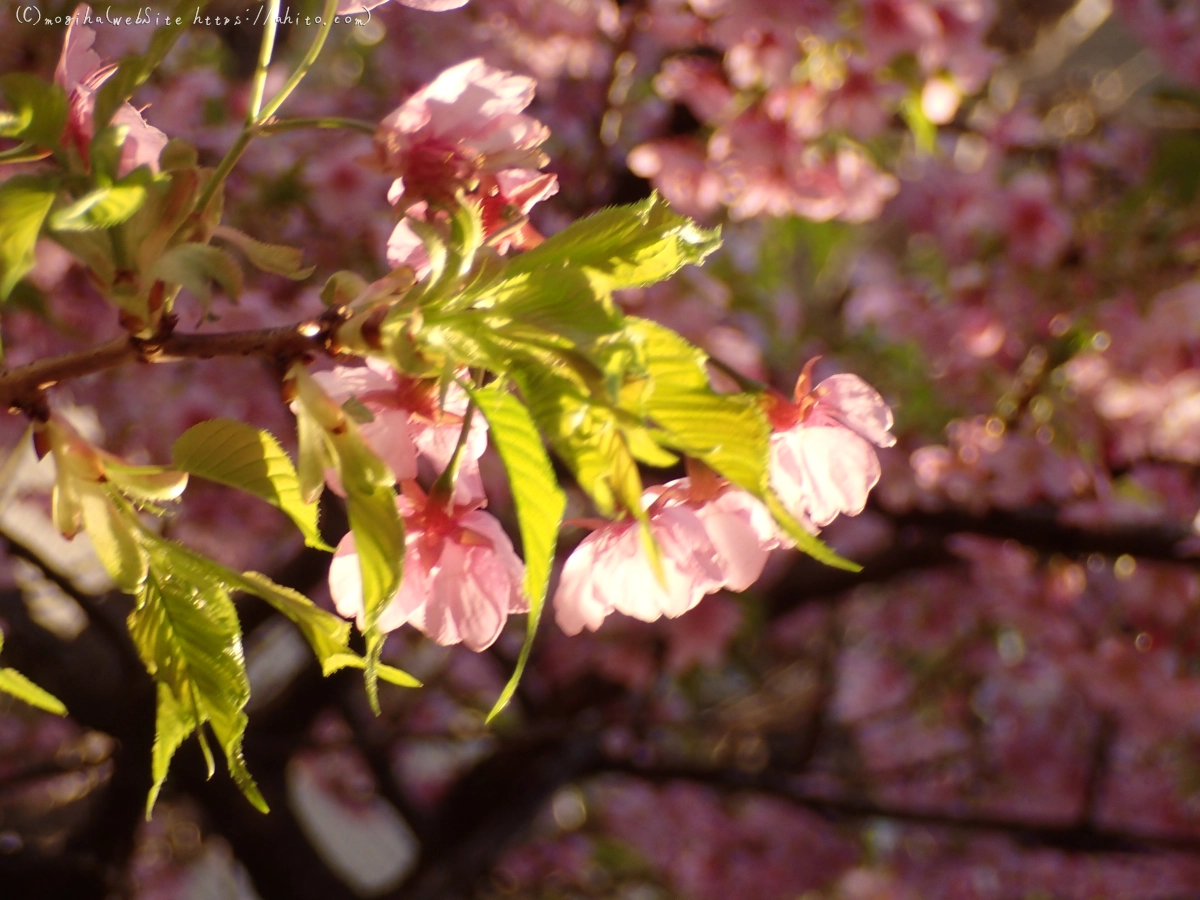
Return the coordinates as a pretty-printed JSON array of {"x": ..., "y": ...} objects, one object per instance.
[
  {"x": 823, "y": 463},
  {"x": 709, "y": 537},
  {"x": 349, "y": 7},
  {"x": 408, "y": 422},
  {"x": 80, "y": 73},
  {"x": 465, "y": 131},
  {"x": 461, "y": 581}
]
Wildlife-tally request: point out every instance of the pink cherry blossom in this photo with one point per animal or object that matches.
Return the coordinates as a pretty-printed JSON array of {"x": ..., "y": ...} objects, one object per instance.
[
  {"x": 461, "y": 576},
  {"x": 350, "y": 7},
  {"x": 705, "y": 544},
  {"x": 80, "y": 73},
  {"x": 409, "y": 423},
  {"x": 465, "y": 131},
  {"x": 822, "y": 460}
]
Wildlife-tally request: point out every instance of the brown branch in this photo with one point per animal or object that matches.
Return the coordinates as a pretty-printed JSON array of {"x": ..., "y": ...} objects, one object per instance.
[{"x": 21, "y": 386}]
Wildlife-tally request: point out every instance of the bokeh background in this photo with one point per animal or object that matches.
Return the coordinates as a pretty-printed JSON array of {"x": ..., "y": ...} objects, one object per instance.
[{"x": 986, "y": 208}]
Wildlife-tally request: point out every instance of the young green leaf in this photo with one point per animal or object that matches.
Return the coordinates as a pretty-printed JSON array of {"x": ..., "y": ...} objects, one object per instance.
[
  {"x": 187, "y": 633},
  {"x": 101, "y": 208},
  {"x": 243, "y": 457},
  {"x": 540, "y": 504},
  {"x": 627, "y": 246},
  {"x": 38, "y": 110},
  {"x": 14, "y": 683},
  {"x": 113, "y": 532},
  {"x": 327, "y": 634},
  {"x": 24, "y": 202},
  {"x": 194, "y": 266},
  {"x": 274, "y": 258}
]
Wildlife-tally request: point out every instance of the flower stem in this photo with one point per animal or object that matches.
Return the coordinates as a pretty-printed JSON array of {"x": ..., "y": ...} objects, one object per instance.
[
  {"x": 254, "y": 123},
  {"x": 310, "y": 57},
  {"x": 264, "y": 60},
  {"x": 281, "y": 125},
  {"x": 442, "y": 491}
]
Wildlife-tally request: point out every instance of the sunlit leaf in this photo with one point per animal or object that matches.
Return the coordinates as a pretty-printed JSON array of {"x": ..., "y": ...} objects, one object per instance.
[
  {"x": 24, "y": 202},
  {"x": 539, "y": 500},
  {"x": 187, "y": 633},
  {"x": 251, "y": 460},
  {"x": 626, "y": 245},
  {"x": 101, "y": 208},
  {"x": 326, "y": 633},
  {"x": 17, "y": 685}
]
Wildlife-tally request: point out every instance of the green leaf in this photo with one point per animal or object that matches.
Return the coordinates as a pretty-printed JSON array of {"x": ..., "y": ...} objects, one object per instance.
[
  {"x": 540, "y": 504},
  {"x": 146, "y": 484},
  {"x": 326, "y": 633},
  {"x": 728, "y": 432},
  {"x": 24, "y": 202},
  {"x": 566, "y": 303},
  {"x": 379, "y": 540},
  {"x": 26, "y": 151},
  {"x": 586, "y": 432},
  {"x": 101, "y": 208},
  {"x": 187, "y": 633},
  {"x": 387, "y": 673},
  {"x": 243, "y": 457},
  {"x": 113, "y": 532},
  {"x": 195, "y": 265},
  {"x": 14, "y": 683},
  {"x": 274, "y": 258},
  {"x": 342, "y": 287},
  {"x": 626, "y": 245},
  {"x": 105, "y": 153},
  {"x": 38, "y": 110}
]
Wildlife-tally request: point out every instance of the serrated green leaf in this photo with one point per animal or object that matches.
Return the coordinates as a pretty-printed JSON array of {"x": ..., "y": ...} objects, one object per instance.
[
  {"x": 24, "y": 202},
  {"x": 274, "y": 258},
  {"x": 194, "y": 266},
  {"x": 243, "y": 457},
  {"x": 540, "y": 504},
  {"x": 327, "y": 634},
  {"x": 187, "y": 633},
  {"x": 172, "y": 725},
  {"x": 101, "y": 208},
  {"x": 38, "y": 110},
  {"x": 14, "y": 683},
  {"x": 92, "y": 248},
  {"x": 628, "y": 246},
  {"x": 564, "y": 303}
]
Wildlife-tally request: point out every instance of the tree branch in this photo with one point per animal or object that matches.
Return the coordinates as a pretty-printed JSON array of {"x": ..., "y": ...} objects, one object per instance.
[{"x": 20, "y": 386}]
